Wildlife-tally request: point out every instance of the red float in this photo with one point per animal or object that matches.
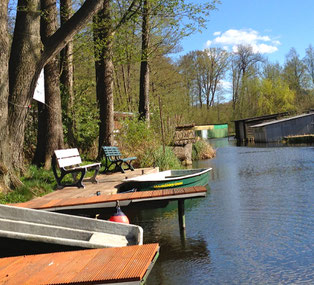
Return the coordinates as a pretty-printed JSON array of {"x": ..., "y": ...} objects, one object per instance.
[{"x": 119, "y": 216}]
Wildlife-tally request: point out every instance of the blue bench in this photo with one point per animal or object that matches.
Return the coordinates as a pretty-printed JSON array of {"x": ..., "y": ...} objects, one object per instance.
[{"x": 113, "y": 156}]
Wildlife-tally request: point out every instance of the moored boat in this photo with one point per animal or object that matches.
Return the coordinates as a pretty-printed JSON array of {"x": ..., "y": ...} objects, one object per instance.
[
  {"x": 28, "y": 231},
  {"x": 167, "y": 179}
]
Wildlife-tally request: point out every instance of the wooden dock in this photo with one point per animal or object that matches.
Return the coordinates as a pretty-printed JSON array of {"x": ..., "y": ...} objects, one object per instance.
[
  {"x": 125, "y": 265},
  {"x": 104, "y": 195},
  {"x": 57, "y": 203}
]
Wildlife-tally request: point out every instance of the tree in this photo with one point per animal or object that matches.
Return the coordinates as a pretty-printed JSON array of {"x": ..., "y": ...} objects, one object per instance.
[
  {"x": 309, "y": 62},
  {"x": 144, "y": 71},
  {"x": 6, "y": 179},
  {"x": 275, "y": 97},
  {"x": 243, "y": 66},
  {"x": 103, "y": 42},
  {"x": 66, "y": 77},
  {"x": 50, "y": 129},
  {"x": 295, "y": 72},
  {"x": 169, "y": 28},
  {"x": 22, "y": 68},
  {"x": 206, "y": 70}
]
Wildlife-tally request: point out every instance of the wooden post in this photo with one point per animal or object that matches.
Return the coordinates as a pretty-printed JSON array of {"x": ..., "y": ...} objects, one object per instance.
[{"x": 181, "y": 214}]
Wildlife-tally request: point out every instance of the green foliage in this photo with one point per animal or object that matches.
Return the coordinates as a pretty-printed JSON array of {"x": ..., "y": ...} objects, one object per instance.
[
  {"x": 135, "y": 138},
  {"x": 36, "y": 182},
  {"x": 158, "y": 158},
  {"x": 275, "y": 97}
]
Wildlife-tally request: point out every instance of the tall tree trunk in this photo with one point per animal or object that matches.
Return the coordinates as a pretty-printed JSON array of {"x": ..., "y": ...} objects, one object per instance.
[
  {"x": 103, "y": 37},
  {"x": 5, "y": 156},
  {"x": 144, "y": 73},
  {"x": 25, "y": 53},
  {"x": 50, "y": 130},
  {"x": 25, "y": 64},
  {"x": 66, "y": 78}
]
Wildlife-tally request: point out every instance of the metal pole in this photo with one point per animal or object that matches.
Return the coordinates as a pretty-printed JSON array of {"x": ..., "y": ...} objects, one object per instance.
[{"x": 181, "y": 214}]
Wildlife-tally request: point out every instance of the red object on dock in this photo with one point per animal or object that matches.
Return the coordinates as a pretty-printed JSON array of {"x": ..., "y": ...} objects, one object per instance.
[{"x": 119, "y": 216}]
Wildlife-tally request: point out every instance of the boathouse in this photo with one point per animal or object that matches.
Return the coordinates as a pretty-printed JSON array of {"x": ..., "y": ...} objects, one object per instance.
[
  {"x": 211, "y": 131},
  {"x": 243, "y": 130},
  {"x": 276, "y": 130}
]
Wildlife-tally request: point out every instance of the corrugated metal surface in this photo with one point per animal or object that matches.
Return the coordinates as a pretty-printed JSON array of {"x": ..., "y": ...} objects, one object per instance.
[
  {"x": 45, "y": 203},
  {"x": 277, "y": 130},
  {"x": 84, "y": 266}
]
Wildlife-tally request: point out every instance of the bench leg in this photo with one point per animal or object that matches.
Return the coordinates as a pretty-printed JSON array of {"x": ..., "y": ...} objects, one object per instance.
[
  {"x": 130, "y": 165},
  {"x": 79, "y": 184},
  {"x": 59, "y": 179},
  {"x": 119, "y": 166},
  {"x": 93, "y": 179}
]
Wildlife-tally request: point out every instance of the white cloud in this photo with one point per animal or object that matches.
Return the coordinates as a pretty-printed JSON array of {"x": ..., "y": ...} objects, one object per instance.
[
  {"x": 227, "y": 85},
  {"x": 231, "y": 38},
  {"x": 208, "y": 44}
]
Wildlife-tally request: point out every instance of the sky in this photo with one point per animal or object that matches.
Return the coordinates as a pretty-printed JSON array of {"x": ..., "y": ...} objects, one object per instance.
[{"x": 272, "y": 27}]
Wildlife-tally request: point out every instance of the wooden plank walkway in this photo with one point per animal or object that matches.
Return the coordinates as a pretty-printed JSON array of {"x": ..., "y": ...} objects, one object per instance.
[
  {"x": 55, "y": 203},
  {"x": 95, "y": 266}
]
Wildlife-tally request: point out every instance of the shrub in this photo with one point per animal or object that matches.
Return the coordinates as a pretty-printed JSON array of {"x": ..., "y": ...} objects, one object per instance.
[
  {"x": 137, "y": 139},
  {"x": 202, "y": 150},
  {"x": 164, "y": 161}
]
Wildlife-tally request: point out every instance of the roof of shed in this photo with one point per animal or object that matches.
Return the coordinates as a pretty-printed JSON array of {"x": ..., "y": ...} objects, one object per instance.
[{"x": 282, "y": 120}]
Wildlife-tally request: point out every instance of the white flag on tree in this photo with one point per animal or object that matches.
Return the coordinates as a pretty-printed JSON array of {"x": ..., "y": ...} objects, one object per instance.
[{"x": 39, "y": 93}]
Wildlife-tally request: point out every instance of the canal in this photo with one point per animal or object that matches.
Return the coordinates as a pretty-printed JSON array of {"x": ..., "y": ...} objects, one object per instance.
[{"x": 256, "y": 225}]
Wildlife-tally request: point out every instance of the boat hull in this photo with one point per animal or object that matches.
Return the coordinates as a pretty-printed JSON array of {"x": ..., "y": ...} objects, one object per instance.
[{"x": 196, "y": 179}]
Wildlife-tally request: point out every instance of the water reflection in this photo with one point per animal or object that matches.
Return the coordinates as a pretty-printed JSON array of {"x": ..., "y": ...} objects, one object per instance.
[{"x": 256, "y": 225}]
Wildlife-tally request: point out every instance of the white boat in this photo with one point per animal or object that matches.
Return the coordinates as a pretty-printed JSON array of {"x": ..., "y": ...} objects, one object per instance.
[{"x": 24, "y": 231}]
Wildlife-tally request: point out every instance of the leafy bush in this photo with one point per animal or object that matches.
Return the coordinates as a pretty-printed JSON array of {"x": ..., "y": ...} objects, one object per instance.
[
  {"x": 137, "y": 139},
  {"x": 202, "y": 150},
  {"x": 164, "y": 161}
]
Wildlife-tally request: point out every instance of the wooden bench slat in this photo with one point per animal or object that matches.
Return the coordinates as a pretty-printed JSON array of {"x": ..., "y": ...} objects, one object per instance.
[
  {"x": 61, "y": 153},
  {"x": 69, "y": 161},
  {"x": 113, "y": 156}
]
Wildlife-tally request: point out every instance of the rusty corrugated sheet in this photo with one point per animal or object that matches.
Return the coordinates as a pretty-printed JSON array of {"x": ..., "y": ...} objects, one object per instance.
[{"x": 83, "y": 266}]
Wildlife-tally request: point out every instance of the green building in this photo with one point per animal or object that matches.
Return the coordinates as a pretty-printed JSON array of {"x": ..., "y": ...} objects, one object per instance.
[{"x": 211, "y": 131}]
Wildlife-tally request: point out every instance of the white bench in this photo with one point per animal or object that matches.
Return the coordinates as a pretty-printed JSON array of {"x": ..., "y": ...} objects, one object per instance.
[{"x": 69, "y": 161}]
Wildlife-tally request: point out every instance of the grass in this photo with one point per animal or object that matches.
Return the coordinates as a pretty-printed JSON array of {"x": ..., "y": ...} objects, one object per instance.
[
  {"x": 306, "y": 139},
  {"x": 36, "y": 182},
  {"x": 202, "y": 150}
]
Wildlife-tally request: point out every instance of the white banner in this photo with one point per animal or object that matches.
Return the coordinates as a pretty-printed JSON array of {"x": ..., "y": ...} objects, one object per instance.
[{"x": 39, "y": 93}]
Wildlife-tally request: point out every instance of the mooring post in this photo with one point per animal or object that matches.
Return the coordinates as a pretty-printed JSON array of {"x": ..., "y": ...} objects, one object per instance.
[{"x": 181, "y": 214}]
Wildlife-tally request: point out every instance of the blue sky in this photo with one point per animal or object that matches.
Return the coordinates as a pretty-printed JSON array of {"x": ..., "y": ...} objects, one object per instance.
[{"x": 272, "y": 27}]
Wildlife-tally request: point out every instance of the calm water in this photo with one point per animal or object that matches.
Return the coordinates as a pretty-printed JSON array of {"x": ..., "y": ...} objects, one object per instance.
[{"x": 256, "y": 225}]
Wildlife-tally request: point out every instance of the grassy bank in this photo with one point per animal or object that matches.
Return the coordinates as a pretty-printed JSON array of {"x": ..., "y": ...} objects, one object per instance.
[
  {"x": 302, "y": 139},
  {"x": 36, "y": 182}
]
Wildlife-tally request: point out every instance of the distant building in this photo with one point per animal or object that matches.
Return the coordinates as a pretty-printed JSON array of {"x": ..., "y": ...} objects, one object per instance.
[
  {"x": 212, "y": 131},
  {"x": 276, "y": 130},
  {"x": 243, "y": 130},
  {"x": 119, "y": 117}
]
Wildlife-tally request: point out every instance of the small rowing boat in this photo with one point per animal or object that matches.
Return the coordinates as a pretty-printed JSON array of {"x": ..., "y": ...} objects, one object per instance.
[{"x": 167, "y": 179}]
